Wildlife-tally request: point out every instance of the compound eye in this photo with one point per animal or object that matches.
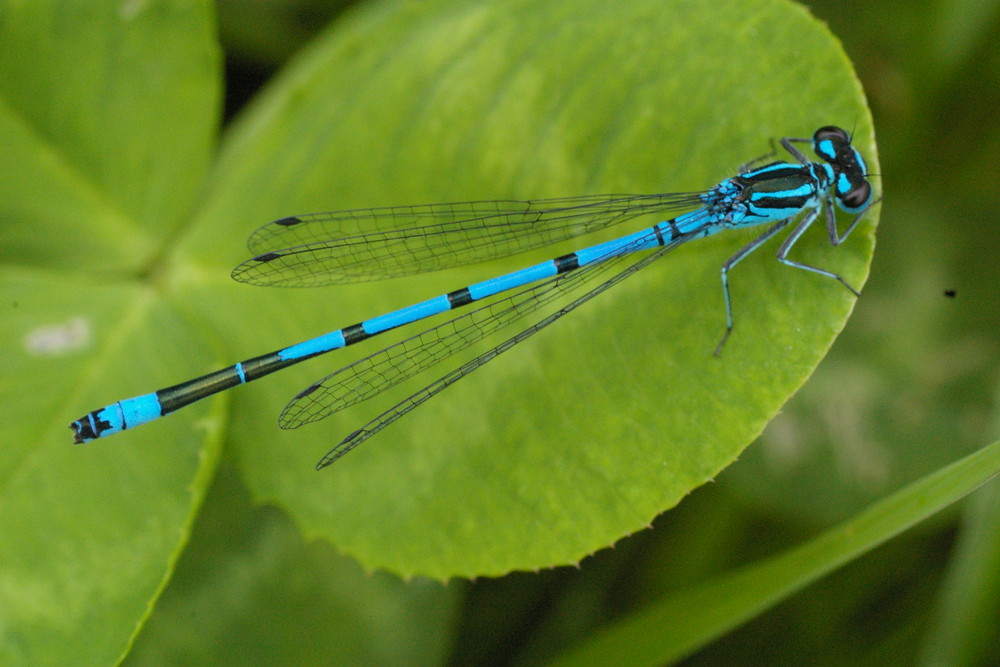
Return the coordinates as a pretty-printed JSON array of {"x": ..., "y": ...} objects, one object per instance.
[
  {"x": 831, "y": 133},
  {"x": 856, "y": 199},
  {"x": 829, "y": 142}
]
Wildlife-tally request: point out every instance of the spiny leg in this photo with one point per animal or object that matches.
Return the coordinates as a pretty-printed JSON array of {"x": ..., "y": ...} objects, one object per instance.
[
  {"x": 786, "y": 143},
  {"x": 733, "y": 261},
  {"x": 836, "y": 238},
  {"x": 793, "y": 238}
]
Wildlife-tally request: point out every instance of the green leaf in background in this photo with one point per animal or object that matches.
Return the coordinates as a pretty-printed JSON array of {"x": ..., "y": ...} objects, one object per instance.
[
  {"x": 261, "y": 595},
  {"x": 675, "y": 627},
  {"x": 107, "y": 124},
  {"x": 116, "y": 251}
]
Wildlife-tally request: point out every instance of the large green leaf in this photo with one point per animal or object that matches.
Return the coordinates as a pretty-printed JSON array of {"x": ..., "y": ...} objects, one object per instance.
[
  {"x": 116, "y": 251},
  {"x": 587, "y": 432}
]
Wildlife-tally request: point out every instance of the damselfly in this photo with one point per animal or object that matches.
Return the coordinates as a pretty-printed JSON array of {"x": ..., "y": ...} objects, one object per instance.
[{"x": 370, "y": 244}]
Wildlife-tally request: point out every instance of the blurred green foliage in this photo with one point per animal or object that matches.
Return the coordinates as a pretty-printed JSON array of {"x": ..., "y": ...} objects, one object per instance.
[{"x": 909, "y": 386}]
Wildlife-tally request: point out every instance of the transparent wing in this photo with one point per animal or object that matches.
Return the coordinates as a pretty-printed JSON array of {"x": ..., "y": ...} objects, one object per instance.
[
  {"x": 377, "y": 243},
  {"x": 407, "y": 405},
  {"x": 388, "y": 367}
]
